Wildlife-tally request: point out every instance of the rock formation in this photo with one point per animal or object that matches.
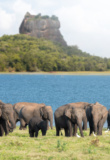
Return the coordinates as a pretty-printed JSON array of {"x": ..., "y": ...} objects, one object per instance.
[{"x": 42, "y": 26}]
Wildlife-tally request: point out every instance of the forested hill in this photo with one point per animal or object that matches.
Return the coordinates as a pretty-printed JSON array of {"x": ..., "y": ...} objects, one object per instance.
[{"x": 25, "y": 53}]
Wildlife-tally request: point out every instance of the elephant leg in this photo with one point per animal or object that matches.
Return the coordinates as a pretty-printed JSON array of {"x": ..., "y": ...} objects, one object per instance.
[
  {"x": 47, "y": 124},
  {"x": 1, "y": 130},
  {"x": 43, "y": 132},
  {"x": 108, "y": 121},
  {"x": 98, "y": 129},
  {"x": 57, "y": 131},
  {"x": 22, "y": 124},
  {"x": 70, "y": 127},
  {"x": 91, "y": 129},
  {"x": 36, "y": 133},
  {"x": 80, "y": 128},
  {"x": 6, "y": 128},
  {"x": 75, "y": 130},
  {"x": 31, "y": 133},
  {"x": 83, "y": 126},
  {"x": 84, "y": 123},
  {"x": 66, "y": 132},
  {"x": 101, "y": 123}
]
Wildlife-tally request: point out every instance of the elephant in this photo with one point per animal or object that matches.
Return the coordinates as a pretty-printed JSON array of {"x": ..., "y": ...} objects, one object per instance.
[
  {"x": 108, "y": 119},
  {"x": 83, "y": 105},
  {"x": 75, "y": 116},
  {"x": 7, "y": 118},
  {"x": 60, "y": 117},
  {"x": 4, "y": 127},
  {"x": 96, "y": 115},
  {"x": 36, "y": 124},
  {"x": 17, "y": 107},
  {"x": 29, "y": 110}
]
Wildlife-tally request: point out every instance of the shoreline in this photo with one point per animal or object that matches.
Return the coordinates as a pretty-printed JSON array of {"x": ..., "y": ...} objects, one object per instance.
[{"x": 60, "y": 73}]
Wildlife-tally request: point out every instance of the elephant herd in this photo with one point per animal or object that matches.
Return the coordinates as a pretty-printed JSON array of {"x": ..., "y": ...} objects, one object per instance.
[
  {"x": 68, "y": 117},
  {"x": 33, "y": 114}
]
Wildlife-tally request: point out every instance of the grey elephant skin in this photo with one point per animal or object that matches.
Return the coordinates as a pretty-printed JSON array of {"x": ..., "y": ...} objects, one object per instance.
[
  {"x": 30, "y": 110},
  {"x": 61, "y": 120},
  {"x": 83, "y": 105},
  {"x": 36, "y": 124},
  {"x": 7, "y": 118},
  {"x": 96, "y": 115},
  {"x": 75, "y": 116},
  {"x": 108, "y": 119},
  {"x": 17, "y": 107}
]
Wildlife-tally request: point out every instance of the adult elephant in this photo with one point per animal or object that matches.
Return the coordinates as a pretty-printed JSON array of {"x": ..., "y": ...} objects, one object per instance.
[
  {"x": 7, "y": 118},
  {"x": 61, "y": 119},
  {"x": 108, "y": 119},
  {"x": 96, "y": 115},
  {"x": 4, "y": 127},
  {"x": 83, "y": 105},
  {"x": 75, "y": 116},
  {"x": 28, "y": 110},
  {"x": 17, "y": 107}
]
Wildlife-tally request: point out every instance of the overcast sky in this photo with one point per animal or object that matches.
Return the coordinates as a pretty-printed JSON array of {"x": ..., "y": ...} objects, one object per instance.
[{"x": 85, "y": 23}]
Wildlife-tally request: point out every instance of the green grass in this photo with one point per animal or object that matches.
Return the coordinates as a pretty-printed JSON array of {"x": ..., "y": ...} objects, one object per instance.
[{"x": 19, "y": 146}]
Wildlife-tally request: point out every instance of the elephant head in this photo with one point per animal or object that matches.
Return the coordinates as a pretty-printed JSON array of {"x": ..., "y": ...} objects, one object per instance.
[
  {"x": 70, "y": 113},
  {"x": 75, "y": 115},
  {"x": 47, "y": 113},
  {"x": 8, "y": 115}
]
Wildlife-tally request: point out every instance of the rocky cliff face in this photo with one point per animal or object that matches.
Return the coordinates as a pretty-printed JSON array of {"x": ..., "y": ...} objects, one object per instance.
[{"x": 42, "y": 26}]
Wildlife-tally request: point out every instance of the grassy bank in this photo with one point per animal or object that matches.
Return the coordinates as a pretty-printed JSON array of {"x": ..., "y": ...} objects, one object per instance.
[
  {"x": 61, "y": 73},
  {"x": 19, "y": 146}
]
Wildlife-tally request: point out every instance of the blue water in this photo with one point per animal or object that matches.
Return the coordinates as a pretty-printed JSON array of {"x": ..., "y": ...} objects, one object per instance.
[{"x": 55, "y": 90}]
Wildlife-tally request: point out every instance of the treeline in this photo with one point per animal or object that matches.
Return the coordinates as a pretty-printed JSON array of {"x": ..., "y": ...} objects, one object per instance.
[{"x": 25, "y": 53}]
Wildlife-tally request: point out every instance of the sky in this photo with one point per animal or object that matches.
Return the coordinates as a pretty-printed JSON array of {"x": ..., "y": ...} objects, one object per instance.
[{"x": 85, "y": 23}]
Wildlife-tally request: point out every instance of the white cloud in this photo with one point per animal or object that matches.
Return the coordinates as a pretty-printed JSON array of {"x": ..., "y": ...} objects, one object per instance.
[
  {"x": 21, "y": 7},
  {"x": 87, "y": 25},
  {"x": 6, "y": 20},
  {"x": 84, "y": 23}
]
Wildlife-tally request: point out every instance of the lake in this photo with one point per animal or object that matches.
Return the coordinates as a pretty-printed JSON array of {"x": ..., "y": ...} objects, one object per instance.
[{"x": 55, "y": 90}]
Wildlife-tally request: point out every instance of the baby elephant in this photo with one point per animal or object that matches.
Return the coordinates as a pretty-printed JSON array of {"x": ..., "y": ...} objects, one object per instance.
[{"x": 36, "y": 124}]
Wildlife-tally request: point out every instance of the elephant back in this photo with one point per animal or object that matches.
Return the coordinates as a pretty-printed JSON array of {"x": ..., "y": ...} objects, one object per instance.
[
  {"x": 60, "y": 111},
  {"x": 27, "y": 112}
]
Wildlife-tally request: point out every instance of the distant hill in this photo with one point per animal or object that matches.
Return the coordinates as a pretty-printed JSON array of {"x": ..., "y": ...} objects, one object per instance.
[{"x": 26, "y": 53}]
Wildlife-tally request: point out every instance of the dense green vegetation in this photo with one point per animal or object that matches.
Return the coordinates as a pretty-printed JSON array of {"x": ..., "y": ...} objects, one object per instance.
[
  {"x": 25, "y": 53},
  {"x": 19, "y": 146}
]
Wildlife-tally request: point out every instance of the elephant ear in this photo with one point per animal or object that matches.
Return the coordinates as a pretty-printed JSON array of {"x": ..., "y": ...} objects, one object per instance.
[
  {"x": 0, "y": 110},
  {"x": 68, "y": 113},
  {"x": 43, "y": 112},
  {"x": 105, "y": 114}
]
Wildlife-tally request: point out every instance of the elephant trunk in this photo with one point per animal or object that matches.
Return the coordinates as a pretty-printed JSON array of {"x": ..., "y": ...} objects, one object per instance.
[
  {"x": 51, "y": 120},
  {"x": 95, "y": 128},
  {"x": 80, "y": 127},
  {"x": 85, "y": 123},
  {"x": 9, "y": 126},
  {"x": 95, "y": 125},
  {"x": 11, "y": 123}
]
